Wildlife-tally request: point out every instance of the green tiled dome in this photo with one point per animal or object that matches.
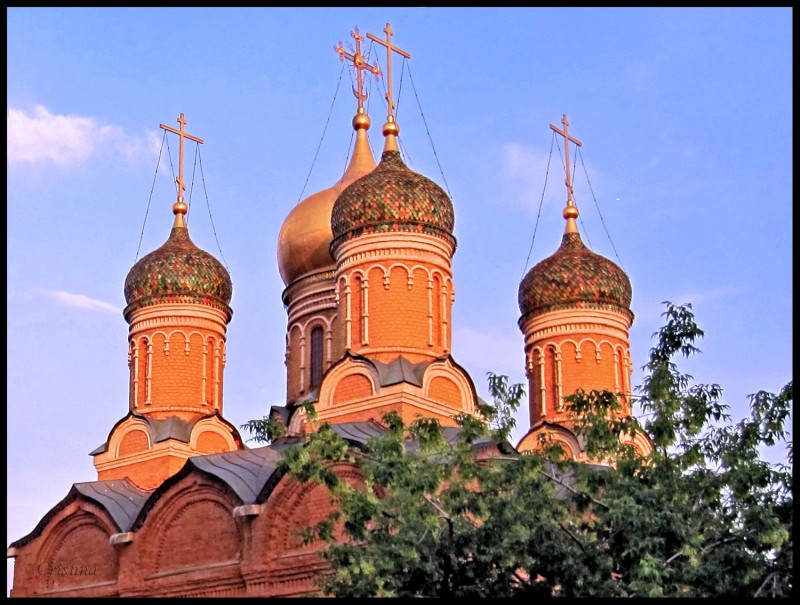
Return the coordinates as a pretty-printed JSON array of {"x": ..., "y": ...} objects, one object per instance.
[
  {"x": 392, "y": 198},
  {"x": 178, "y": 271},
  {"x": 574, "y": 277}
]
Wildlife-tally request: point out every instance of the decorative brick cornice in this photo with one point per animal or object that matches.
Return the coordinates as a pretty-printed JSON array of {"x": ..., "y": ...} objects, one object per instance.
[
  {"x": 177, "y": 315},
  {"x": 566, "y": 322},
  {"x": 308, "y": 284},
  {"x": 378, "y": 247}
]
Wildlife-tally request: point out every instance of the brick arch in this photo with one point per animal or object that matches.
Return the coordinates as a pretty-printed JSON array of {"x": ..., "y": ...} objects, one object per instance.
[
  {"x": 186, "y": 339},
  {"x": 576, "y": 348},
  {"x": 209, "y": 436},
  {"x": 387, "y": 272},
  {"x": 134, "y": 440},
  {"x": 164, "y": 335},
  {"x": 125, "y": 428},
  {"x": 329, "y": 389},
  {"x": 314, "y": 320},
  {"x": 293, "y": 506},
  {"x": 443, "y": 389},
  {"x": 211, "y": 442},
  {"x": 77, "y": 551},
  {"x": 606, "y": 344},
  {"x": 449, "y": 384},
  {"x": 191, "y": 526},
  {"x": 353, "y": 387},
  {"x": 427, "y": 271},
  {"x": 559, "y": 435},
  {"x": 640, "y": 442}
]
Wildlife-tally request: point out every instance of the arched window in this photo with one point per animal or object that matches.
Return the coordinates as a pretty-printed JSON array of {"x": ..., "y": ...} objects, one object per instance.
[
  {"x": 316, "y": 357},
  {"x": 553, "y": 362},
  {"x": 143, "y": 372}
]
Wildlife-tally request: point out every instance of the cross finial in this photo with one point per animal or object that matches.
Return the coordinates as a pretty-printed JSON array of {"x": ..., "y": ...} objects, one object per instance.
[
  {"x": 571, "y": 211},
  {"x": 389, "y": 48},
  {"x": 360, "y": 63},
  {"x": 180, "y": 208}
]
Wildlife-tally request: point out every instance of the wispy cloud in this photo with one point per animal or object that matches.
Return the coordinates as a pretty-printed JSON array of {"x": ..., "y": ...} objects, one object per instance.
[
  {"x": 534, "y": 175},
  {"x": 67, "y": 140},
  {"x": 722, "y": 292},
  {"x": 80, "y": 301},
  {"x": 523, "y": 163}
]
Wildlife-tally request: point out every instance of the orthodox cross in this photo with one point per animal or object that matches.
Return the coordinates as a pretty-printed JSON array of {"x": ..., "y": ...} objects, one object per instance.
[
  {"x": 567, "y": 138},
  {"x": 389, "y": 48},
  {"x": 182, "y": 135},
  {"x": 360, "y": 63}
]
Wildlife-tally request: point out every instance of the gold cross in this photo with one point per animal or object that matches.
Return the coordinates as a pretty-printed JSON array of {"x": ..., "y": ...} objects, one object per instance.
[
  {"x": 567, "y": 139},
  {"x": 389, "y": 49},
  {"x": 360, "y": 63},
  {"x": 182, "y": 135}
]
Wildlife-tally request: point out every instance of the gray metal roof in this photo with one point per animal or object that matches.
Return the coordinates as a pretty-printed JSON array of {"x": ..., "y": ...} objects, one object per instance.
[
  {"x": 162, "y": 429},
  {"x": 171, "y": 428},
  {"x": 250, "y": 473},
  {"x": 120, "y": 498},
  {"x": 358, "y": 431},
  {"x": 401, "y": 370},
  {"x": 246, "y": 472}
]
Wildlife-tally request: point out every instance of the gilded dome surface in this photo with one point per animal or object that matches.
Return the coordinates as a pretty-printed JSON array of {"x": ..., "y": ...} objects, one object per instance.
[
  {"x": 305, "y": 237},
  {"x": 392, "y": 198},
  {"x": 304, "y": 241},
  {"x": 178, "y": 271},
  {"x": 574, "y": 276}
]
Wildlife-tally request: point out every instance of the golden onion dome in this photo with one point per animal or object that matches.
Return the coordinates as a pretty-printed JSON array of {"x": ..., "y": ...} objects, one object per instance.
[{"x": 305, "y": 236}]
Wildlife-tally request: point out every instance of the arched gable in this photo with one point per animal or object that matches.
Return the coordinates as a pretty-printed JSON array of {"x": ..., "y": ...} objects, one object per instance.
[
  {"x": 188, "y": 524},
  {"x": 76, "y": 551},
  {"x": 554, "y": 433},
  {"x": 358, "y": 374}
]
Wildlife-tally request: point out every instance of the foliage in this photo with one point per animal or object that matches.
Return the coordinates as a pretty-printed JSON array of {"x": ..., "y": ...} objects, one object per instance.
[{"x": 702, "y": 515}]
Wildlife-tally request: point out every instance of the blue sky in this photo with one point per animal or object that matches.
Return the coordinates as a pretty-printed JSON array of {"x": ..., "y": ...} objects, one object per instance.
[{"x": 684, "y": 178}]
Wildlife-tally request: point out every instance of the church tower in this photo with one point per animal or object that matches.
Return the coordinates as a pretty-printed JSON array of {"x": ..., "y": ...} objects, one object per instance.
[
  {"x": 177, "y": 310},
  {"x": 392, "y": 245},
  {"x": 314, "y": 338},
  {"x": 576, "y": 318}
]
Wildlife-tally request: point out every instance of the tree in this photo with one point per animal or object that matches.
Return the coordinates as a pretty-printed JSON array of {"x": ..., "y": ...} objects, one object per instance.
[{"x": 461, "y": 513}]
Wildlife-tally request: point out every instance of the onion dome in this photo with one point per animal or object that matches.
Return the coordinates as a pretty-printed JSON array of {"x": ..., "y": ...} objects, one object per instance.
[
  {"x": 574, "y": 277},
  {"x": 305, "y": 236},
  {"x": 392, "y": 198},
  {"x": 178, "y": 271}
]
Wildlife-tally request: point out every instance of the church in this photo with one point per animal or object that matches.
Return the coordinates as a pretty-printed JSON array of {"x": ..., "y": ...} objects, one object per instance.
[{"x": 181, "y": 505}]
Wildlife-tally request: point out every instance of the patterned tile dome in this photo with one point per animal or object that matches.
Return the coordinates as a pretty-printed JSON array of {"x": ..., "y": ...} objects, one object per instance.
[
  {"x": 178, "y": 271},
  {"x": 574, "y": 276},
  {"x": 392, "y": 198}
]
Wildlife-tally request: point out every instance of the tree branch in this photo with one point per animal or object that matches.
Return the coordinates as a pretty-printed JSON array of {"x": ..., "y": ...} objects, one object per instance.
[
  {"x": 706, "y": 550},
  {"x": 556, "y": 480},
  {"x": 574, "y": 491},
  {"x": 571, "y": 535},
  {"x": 770, "y": 576}
]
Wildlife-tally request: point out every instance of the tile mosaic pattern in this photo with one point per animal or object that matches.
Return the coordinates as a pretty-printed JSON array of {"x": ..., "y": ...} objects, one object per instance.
[
  {"x": 574, "y": 277},
  {"x": 392, "y": 198},
  {"x": 178, "y": 270}
]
